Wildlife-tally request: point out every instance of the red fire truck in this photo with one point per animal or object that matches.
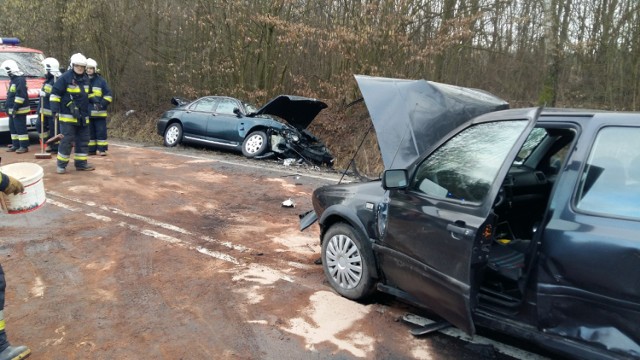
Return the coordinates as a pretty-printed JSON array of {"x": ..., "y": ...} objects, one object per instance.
[{"x": 30, "y": 62}]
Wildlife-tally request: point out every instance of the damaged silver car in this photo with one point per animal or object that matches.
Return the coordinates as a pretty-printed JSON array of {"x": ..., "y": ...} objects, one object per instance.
[
  {"x": 524, "y": 221},
  {"x": 225, "y": 122}
]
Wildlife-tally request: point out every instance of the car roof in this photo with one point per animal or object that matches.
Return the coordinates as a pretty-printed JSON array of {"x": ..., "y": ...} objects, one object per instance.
[
  {"x": 553, "y": 114},
  {"x": 14, "y": 48}
]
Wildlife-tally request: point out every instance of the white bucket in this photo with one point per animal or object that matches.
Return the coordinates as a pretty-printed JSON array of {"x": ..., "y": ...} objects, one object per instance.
[{"x": 33, "y": 197}]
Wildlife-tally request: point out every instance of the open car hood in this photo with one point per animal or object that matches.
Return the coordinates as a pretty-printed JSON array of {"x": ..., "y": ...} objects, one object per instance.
[
  {"x": 298, "y": 111},
  {"x": 410, "y": 116}
]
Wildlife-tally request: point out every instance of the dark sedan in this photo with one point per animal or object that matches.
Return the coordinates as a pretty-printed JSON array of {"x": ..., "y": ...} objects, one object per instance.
[
  {"x": 524, "y": 221},
  {"x": 225, "y": 122}
]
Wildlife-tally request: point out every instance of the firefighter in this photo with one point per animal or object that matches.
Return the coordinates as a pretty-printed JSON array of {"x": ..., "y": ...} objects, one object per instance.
[
  {"x": 52, "y": 67},
  {"x": 17, "y": 106},
  {"x": 70, "y": 102},
  {"x": 9, "y": 185},
  {"x": 100, "y": 98}
]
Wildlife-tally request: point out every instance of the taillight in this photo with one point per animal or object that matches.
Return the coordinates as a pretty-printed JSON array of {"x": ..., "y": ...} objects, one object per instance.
[{"x": 3, "y": 114}]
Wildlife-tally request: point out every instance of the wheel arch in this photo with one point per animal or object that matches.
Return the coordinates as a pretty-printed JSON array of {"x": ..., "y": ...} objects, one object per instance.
[
  {"x": 257, "y": 127},
  {"x": 171, "y": 122},
  {"x": 341, "y": 214}
]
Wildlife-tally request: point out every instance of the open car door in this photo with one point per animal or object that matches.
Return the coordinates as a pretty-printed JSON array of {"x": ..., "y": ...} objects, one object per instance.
[{"x": 440, "y": 225}]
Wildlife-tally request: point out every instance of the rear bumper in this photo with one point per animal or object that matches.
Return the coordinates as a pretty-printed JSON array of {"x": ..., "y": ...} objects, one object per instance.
[{"x": 31, "y": 123}]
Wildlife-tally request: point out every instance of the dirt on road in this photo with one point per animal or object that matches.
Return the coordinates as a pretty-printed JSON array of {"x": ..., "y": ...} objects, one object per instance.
[{"x": 186, "y": 254}]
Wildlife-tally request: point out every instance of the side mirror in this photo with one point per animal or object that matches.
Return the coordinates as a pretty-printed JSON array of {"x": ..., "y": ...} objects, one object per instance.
[
  {"x": 394, "y": 179},
  {"x": 237, "y": 112}
]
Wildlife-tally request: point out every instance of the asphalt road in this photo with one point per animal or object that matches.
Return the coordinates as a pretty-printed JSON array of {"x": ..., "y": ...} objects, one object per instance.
[{"x": 189, "y": 254}]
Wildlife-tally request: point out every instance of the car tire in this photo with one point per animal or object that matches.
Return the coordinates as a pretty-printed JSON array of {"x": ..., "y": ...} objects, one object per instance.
[
  {"x": 173, "y": 135},
  {"x": 254, "y": 144},
  {"x": 348, "y": 262}
]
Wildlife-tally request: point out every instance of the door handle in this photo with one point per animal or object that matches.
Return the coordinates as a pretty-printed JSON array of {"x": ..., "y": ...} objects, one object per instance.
[{"x": 458, "y": 230}]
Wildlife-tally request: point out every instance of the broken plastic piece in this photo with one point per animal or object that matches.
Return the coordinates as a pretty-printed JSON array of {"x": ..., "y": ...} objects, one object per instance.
[
  {"x": 288, "y": 203},
  {"x": 289, "y": 161}
]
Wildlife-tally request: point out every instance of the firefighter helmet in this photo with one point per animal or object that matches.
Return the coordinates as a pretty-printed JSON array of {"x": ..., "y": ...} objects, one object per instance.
[
  {"x": 78, "y": 59},
  {"x": 92, "y": 64},
  {"x": 11, "y": 67},
  {"x": 51, "y": 65}
]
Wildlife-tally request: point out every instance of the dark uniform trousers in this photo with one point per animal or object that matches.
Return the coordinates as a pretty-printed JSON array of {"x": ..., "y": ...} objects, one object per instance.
[
  {"x": 98, "y": 135},
  {"x": 18, "y": 130},
  {"x": 3, "y": 336},
  {"x": 78, "y": 136}
]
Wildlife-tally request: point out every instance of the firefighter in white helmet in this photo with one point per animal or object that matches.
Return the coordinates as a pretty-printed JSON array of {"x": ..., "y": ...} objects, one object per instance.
[
  {"x": 100, "y": 98},
  {"x": 17, "y": 106},
  {"x": 52, "y": 69},
  {"x": 70, "y": 101}
]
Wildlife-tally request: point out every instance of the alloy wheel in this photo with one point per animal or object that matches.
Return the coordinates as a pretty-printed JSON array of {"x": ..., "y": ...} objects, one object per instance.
[{"x": 344, "y": 261}]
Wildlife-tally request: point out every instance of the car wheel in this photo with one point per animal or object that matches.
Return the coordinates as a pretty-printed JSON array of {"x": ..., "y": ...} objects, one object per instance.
[
  {"x": 254, "y": 144},
  {"x": 173, "y": 135},
  {"x": 347, "y": 263}
]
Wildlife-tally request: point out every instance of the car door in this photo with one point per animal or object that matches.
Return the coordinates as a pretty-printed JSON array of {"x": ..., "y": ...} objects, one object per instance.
[
  {"x": 224, "y": 124},
  {"x": 196, "y": 117},
  {"x": 437, "y": 226},
  {"x": 589, "y": 262}
]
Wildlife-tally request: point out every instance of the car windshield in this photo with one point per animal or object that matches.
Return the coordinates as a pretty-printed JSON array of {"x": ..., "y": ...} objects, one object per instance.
[
  {"x": 250, "y": 108},
  {"x": 30, "y": 63}
]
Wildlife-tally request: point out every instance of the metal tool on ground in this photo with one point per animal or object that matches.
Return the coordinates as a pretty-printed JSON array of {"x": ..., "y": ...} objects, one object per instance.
[{"x": 42, "y": 154}]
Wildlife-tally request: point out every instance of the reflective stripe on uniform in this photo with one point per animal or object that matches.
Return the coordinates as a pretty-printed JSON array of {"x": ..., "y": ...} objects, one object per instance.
[
  {"x": 99, "y": 113},
  {"x": 23, "y": 110},
  {"x": 63, "y": 158},
  {"x": 54, "y": 98},
  {"x": 2, "y": 323},
  {"x": 73, "y": 89},
  {"x": 67, "y": 118},
  {"x": 80, "y": 157}
]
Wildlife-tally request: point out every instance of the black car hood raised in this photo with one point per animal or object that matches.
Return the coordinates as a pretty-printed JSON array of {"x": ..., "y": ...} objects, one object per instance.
[
  {"x": 410, "y": 116},
  {"x": 298, "y": 111}
]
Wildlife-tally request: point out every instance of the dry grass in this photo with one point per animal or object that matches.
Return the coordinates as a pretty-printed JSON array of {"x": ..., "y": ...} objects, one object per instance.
[{"x": 138, "y": 127}]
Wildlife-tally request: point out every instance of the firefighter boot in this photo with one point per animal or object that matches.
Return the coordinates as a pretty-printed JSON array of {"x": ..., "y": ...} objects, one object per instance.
[
  {"x": 10, "y": 352},
  {"x": 15, "y": 353}
]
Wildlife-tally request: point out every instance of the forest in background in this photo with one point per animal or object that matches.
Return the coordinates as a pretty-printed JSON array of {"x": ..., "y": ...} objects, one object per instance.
[{"x": 565, "y": 53}]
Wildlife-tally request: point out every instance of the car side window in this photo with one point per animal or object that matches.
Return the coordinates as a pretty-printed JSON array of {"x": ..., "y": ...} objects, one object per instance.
[
  {"x": 204, "y": 105},
  {"x": 226, "y": 106},
  {"x": 466, "y": 165},
  {"x": 610, "y": 181}
]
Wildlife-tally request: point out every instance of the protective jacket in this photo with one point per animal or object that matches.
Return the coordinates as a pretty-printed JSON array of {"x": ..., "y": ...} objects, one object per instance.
[
  {"x": 100, "y": 96},
  {"x": 47, "y": 87},
  {"x": 70, "y": 98},
  {"x": 17, "y": 102}
]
